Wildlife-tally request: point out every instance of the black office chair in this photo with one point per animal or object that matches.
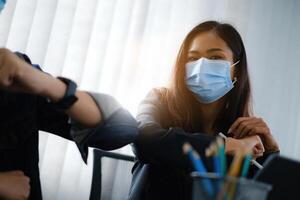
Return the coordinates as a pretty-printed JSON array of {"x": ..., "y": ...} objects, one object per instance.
[{"x": 96, "y": 186}]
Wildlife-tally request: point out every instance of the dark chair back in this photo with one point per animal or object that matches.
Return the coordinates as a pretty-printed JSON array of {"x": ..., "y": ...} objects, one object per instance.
[{"x": 96, "y": 186}]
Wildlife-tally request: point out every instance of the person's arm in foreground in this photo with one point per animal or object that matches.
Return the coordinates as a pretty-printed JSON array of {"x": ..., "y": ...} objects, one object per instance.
[
  {"x": 19, "y": 76},
  {"x": 97, "y": 120},
  {"x": 14, "y": 185}
]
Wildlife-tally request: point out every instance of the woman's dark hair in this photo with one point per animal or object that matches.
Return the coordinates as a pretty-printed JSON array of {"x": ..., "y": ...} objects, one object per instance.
[{"x": 181, "y": 102}]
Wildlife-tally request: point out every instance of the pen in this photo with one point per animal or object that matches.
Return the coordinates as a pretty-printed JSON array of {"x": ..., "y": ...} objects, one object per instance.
[
  {"x": 234, "y": 172},
  {"x": 246, "y": 165},
  {"x": 236, "y": 164},
  {"x": 213, "y": 151},
  {"x": 254, "y": 162},
  {"x": 199, "y": 166},
  {"x": 222, "y": 156}
]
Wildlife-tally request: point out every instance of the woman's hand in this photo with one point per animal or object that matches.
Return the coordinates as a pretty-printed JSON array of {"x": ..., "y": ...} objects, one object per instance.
[
  {"x": 249, "y": 126},
  {"x": 14, "y": 185},
  {"x": 251, "y": 144}
]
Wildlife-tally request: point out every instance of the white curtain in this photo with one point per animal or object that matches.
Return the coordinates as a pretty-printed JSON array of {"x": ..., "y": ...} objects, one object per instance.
[{"x": 126, "y": 47}]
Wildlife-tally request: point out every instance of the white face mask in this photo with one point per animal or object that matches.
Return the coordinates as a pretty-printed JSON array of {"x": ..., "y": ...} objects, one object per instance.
[{"x": 209, "y": 79}]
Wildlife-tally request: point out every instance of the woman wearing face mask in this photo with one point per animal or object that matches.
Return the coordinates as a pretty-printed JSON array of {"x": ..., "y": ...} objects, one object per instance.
[{"x": 209, "y": 93}]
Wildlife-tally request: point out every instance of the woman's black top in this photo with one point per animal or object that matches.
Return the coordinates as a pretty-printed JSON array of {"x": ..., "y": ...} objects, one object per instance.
[{"x": 162, "y": 171}]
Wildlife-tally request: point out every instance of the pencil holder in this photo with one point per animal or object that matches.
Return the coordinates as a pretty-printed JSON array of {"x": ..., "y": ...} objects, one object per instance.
[{"x": 210, "y": 186}]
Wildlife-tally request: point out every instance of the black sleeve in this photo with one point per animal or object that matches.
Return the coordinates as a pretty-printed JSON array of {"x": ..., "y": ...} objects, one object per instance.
[
  {"x": 163, "y": 146},
  {"x": 52, "y": 120}
]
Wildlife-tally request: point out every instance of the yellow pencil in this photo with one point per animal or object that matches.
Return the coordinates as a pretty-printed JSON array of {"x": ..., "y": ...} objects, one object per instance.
[{"x": 234, "y": 172}]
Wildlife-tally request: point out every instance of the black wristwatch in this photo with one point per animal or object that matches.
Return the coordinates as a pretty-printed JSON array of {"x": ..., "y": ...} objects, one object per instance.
[{"x": 69, "y": 98}]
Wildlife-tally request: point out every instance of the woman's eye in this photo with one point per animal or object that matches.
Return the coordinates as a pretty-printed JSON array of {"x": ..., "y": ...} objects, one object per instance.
[
  {"x": 215, "y": 58},
  {"x": 192, "y": 58}
]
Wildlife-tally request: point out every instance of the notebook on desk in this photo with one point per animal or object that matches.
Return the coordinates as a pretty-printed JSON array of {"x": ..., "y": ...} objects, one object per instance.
[{"x": 284, "y": 176}]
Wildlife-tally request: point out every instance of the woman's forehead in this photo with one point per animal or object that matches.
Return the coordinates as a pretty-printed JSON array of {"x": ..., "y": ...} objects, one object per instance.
[{"x": 207, "y": 42}]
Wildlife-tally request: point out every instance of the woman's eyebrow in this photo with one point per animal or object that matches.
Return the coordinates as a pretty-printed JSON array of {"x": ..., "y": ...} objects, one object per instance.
[
  {"x": 208, "y": 51},
  {"x": 213, "y": 50}
]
